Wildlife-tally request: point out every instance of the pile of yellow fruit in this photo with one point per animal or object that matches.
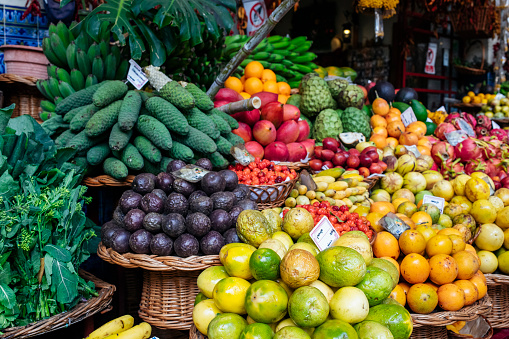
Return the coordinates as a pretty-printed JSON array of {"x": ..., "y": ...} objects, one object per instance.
[
  {"x": 481, "y": 98},
  {"x": 258, "y": 79}
]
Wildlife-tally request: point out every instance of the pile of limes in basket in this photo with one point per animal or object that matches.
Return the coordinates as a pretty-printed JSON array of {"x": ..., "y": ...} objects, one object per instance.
[{"x": 258, "y": 79}]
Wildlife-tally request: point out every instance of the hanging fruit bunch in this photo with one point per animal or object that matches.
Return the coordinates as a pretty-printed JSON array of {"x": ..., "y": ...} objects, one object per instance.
[{"x": 388, "y": 7}]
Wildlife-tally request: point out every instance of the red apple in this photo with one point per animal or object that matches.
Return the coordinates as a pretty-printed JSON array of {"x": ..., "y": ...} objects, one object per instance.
[
  {"x": 276, "y": 151},
  {"x": 303, "y": 130},
  {"x": 375, "y": 168},
  {"x": 368, "y": 149},
  {"x": 309, "y": 144},
  {"x": 273, "y": 112},
  {"x": 373, "y": 155},
  {"x": 288, "y": 132},
  {"x": 330, "y": 143},
  {"x": 353, "y": 151},
  {"x": 327, "y": 154},
  {"x": 290, "y": 112},
  {"x": 244, "y": 131},
  {"x": 227, "y": 94},
  {"x": 247, "y": 117},
  {"x": 339, "y": 159},
  {"x": 315, "y": 164},
  {"x": 328, "y": 164},
  {"x": 264, "y": 132},
  {"x": 265, "y": 97},
  {"x": 353, "y": 161},
  {"x": 255, "y": 149},
  {"x": 296, "y": 151}
]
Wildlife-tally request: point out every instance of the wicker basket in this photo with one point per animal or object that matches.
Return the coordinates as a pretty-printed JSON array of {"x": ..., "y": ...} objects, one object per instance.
[
  {"x": 195, "y": 334},
  {"x": 106, "y": 180},
  {"x": 83, "y": 310},
  {"x": 21, "y": 90},
  {"x": 429, "y": 332},
  {"x": 488, "y": 335},
  {"x": 371, "y": 181},
  {"x": 167, "y": 299},
  {"x": 296, "y": 166},
  {"x": 479, "y": 23},
  {"x": 498, "y": 290},
  {"x": 269, "y": 196},
  {"x": 469, "y": 70}
]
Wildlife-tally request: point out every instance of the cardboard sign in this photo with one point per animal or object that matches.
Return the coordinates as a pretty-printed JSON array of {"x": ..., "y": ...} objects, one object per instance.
[
  {"x": 437, "y": 201},
  {"x": 136, "y": 76},
  {"x": 256, "y": 14},
  {"x": 408, "y": 116},
  {"x": 431, "y": 57},
  {"x": 456, "y": 137},
  {"x": 324, "y": 234}
]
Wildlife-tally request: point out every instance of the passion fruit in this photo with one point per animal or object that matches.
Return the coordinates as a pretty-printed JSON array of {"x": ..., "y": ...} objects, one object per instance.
[{"x": 299, "y": 268}]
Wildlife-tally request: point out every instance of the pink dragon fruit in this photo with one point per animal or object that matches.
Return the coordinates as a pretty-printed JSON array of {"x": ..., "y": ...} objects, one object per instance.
[
  {"x": 454, "y": 118},
  {"x": 444, "y": 128},
  {"x": 442, "y": 151},
  {"x": 481, "y": 131},
  {"x": 469, "y": 118},
  {"x": 433, "y": 139},
  {"x": 451, "y": 117},
  {"x": 467, "y": 150},
  {"x": 484, "y": 121},
  {"x": 474, "y": 166},
  {"x": 500, "y": 134}
]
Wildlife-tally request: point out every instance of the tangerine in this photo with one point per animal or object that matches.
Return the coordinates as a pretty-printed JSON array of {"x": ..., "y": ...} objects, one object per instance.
[
  {"x": 457, "y": 243},
  {"x": 449, "y": 231},
  {"x": 412, "y": 241},
  {"x": 253, "y": 85},
  {"x": 408, "y": 138},
  {"x": 429, "y": 283},
  {"x": 386, "y": 245},
  {"x": 234, "y": 83},
  {"x": 422, "y": 298},
  {"x": 471, "y": 249},
  {"x": 380, "y": 107},
  {"x": 415, "y": 268},
  {"x": 443, "y": 269},
  {"x": 468, "y": 264},
  {"x": 405, "y": 286},
  {"x": 254, "y": 69},
  {"x": 439, "y": 244},
  {"x": 395, "y": 129},
  {"x": 270, "y": 86},
  {"x": 393, "y": 142},
  {"x": 283, "y": 88},
  {"x": 450, "y": 297},
  {"x": 268, "y": 75},
  {"x": 398, "y": 294},
  {"x": 380, "y": 131},
  {"x": 482, "y": 288},
  {"x": 282, "y": 99},
  {"x": 427, "y": 231},
  {"x": 481, "y": 275},
  {"x": 378, "y": 121},
  {"x": 470, "y": 290},
  {"x": 245, "y": 95},
  {"x": 379, "y": 139},
  {"x": 382, "y": 207},
  {"x": 243, "y": 79},
  {"x": 421, "y": 218},
  {"x": 417, "y": 127}
]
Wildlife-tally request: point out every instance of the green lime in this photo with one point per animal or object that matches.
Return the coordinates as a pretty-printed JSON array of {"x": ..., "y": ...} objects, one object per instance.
[
  {"x": 257, "y": 331},
  {"x": 376, "y": 285},
  {"x": 264, "y": 264}
]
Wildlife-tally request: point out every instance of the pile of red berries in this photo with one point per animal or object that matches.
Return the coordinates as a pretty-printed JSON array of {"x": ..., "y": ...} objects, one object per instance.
[
  {"x": 339, "y": 216},
  {"x": 262, "y": 172}
]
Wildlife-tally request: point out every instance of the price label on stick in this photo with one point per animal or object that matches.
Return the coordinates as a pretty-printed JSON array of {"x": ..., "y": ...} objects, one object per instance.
[
  {"x": 136, "y": 76},
  {"x": 437, "y": 201},
  {"x": 324, "y": 234},
  {"x": 456, "y": 137},
  {"x": 408, "y": 116}
]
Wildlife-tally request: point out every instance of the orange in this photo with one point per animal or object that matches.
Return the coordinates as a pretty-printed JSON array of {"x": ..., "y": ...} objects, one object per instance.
[
  {"x": 422, "y": 298},
  {"x": 406, "y": 220},
  {"x": 443, "y": 269},
  {"x": 283, "y": 88},
  {"x": 378, "y": 121},
  {"x": 380, "y": 131},
  {"x": 427, "y": 231},
  {"x": 268, "y": 75},
  {"x": 398, "y": 294},
  {"x": 379, "y": 139},
  {"x": 386, "y": 245},
  {"x": 449, "y": 231},
  {"x": 398, "y": 201},
  {"x": 270, "y": 86},
  {"x": 424, "y": 150},
  {"x": 415, "y": 268},
  {"x": 412, "y": 241},
  {"x": 243, "y": 79},
  {"x": 382, "y": 207},
  {"x": 424, "y": 142},
  {"x": 468, "y": 264},
  {"x": 482, "y": 289},
  {"x": 380, "y": 107},
  {"x": 429, "y": 283},
  {"x": 405, "y": 286},
  {"x": 374, "y": 219},
  {"x": 421, "y": 218},
  {"x": 394, "y": 262},
  {"x": 470, "y": 290},
  {"x": 471, "y": 249},
  {"x": 282, "y": 99},
  {"x": 481, "y": 275},
  {"x": 245, "y": 95},
  {"x": 439, "y": 244},
  {"x": 395, "y": 129},
  {"x": 450, "y": 297},
  {"x": 408, "y": 138},
  {"x": 417, "y": 127},
  {"x": 234, "y": 83},
  {"x": 254, "y": 69},
  {"x": 393, "y": 142},
  {"x": 392, "y": 117},
  {"x": 253, "y": 85},
  {"x": 457, "y": 243}
]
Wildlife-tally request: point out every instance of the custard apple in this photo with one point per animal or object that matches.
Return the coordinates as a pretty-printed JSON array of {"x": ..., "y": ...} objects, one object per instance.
[
  {"x": 304, "y": 81},
  {"x": 327, "y": 124},
  {"x": 315, "y": 97},
  {"x": 336, "y": 86},
  {"x": 294, "y": 99},
  {"x": 351, "y": 96},
  {"x": 354, "y": 120}
]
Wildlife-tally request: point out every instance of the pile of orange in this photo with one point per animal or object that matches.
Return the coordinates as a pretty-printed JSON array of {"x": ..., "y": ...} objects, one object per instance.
[
  {"x": 441, "y": 270},
  {"x": 258, "y": 79},
  {"x": 389, "y": 130}
]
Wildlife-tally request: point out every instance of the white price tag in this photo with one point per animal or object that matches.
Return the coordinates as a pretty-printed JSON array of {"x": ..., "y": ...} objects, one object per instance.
[
  {"x": 414, "y": 150},
  {"x": 466, "y": 127},
  {"x": 136, "y": 76},
  {"x": 441, "y": 109},
  {"x": 499, "y": 96},
  {"x": 324, "y": 234},
  {"x": 494, "y": 125},
  {"x": 408, "y": 116},
  {"x": 437, "y": 201},
  {"x": 456, "y": 137},
  {"x": 429, "y": 120}
]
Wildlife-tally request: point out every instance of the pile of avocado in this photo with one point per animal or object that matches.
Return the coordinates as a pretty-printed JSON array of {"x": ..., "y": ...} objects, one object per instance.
[{"x": 167, "y": 215}]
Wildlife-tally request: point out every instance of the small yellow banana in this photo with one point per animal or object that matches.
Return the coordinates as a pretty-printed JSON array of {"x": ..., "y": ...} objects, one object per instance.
[
  {"x": 141, "y": 331},
  {"x": 113, "y": 327}
]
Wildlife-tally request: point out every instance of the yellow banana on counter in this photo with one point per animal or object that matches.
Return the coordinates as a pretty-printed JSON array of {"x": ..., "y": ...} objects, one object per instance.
[
  {"x": 141, "y": 331},
  {"x": 113, "y": 327}
]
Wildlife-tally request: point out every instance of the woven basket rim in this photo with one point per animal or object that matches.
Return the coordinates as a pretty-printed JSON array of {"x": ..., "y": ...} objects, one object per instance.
[
  {"x": 497, "y": 279},
  {"x": 157, "y": 263},
  {"x": 79, "y": 312},
  {"x": 468, "y": 313},
  {"x": 13, "y": 78},
  {"x": 284, "y": 183},
  {"x": 106, "y": 180},
  {"x": 488, "y": 335}
]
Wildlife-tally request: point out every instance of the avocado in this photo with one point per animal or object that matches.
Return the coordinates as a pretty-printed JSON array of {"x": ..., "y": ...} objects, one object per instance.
[
  {"x": 220, "y": 220},
  {"x": 212, "y": 243},
  {"x": 175, "y": 165},
  {"x": 161, "y": 244},
  {"x": 173, "y": 224},
  {"x": 382, "y": 89},
  {"x": 231, "y": 236},
  {"x": 153, "y": 222},
  {"x": 241, "y": 192},
  {"x": 143, "y": 183},
  {"x": 152, "y": 203},
  {"x": 165, "y": 181},
  {"x": 176, "y": 203},
  {"x": 186, "y": 245},
  {"x": 183, "y": 187},
  {"x": 198, "y": 224},
  {"x": 213, "y": 182},
  {"x": 204, "y": 205},
  {"x": 231, "y": 178},
  {"x": 133, "y": 220},
  {"x": 223, "y": 200},
  {"x": 204, "y": 163},
  {"x": 139, "y": 241},
  {"x": 406, "y": 94}
]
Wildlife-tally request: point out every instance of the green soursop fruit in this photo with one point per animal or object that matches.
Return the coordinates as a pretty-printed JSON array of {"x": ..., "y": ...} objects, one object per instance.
[
  {"x": 351, "y": 96},
  {"x": 336, "y": 86},
  {"x": 304, "y": 81},
  {"x": 294, "y": 99},
  {"x": 327, "y": 124},
  {"x": 354, "y": 120},
  {"x": 315, "y": 97}
]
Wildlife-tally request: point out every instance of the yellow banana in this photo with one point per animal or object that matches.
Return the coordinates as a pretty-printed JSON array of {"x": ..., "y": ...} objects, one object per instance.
[
  {"x": 141, "y": 331},
  {"x": 113, "y": 327}
]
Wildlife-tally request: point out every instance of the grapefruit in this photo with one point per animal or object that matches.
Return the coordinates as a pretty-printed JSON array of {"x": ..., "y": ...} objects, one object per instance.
[
  {"x": 349, "y": 304},
  {"x": 264, "y": 264},
  {"x": 226, "y": 325},
  {"x": 395, "y": 317},
  {"x": 299, "y": 268},
  {"x": 266, "y": 301},
  {"x": 388, "y": 267},
  {"x": 308, "y": 307},
  {"x": 341, "y": 266},
  {"x": 257, "y": 331},
  {"x": 209, "y": 278},
  {"x": 291, "y": 332},
  {"x": 334, "y": 329},
  {"x": 203, "y": 313},
  {"x": 376, "y": 285},
  {"x": 371, "y": 329},
  {"x": 230, "y": 295}
]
